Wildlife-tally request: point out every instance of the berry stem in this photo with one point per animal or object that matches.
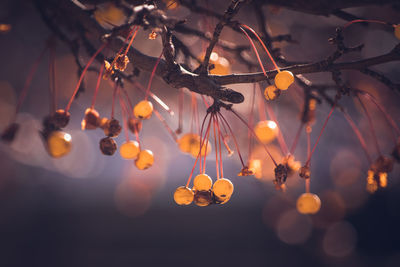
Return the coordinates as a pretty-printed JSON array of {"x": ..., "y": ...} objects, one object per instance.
[
  {"x": 371, "y": 125},
  {"x": 166, "y": 126},
  {"x": 320, "y": 134},
  {"x": 251, "y": 120},
  {"x": 28, "y": 81},
  {"x": 359, "y": 135},
  {"x": 264, "y": 46},
  {"x": 296, "y": 139},
  {"x": 255, "y": 135},
  {"x": 135, "y": 29},
  {"x": 254, "y": 49},
  {"x": 365, "y": 20},
  {"x": 216, "y": 146},
  {"x": 124, "y": 112},
  {"x": 219, "y": 145},
  {"x": 152, "y": 75},
  {"x": 155, "y": 98},
  {"x": 97, "y": 85},
  {"x": 281, "y": 139},
  {"x": 308, "y": 132},
  {"x": 82, "y": 75},
  {"x": 181, "y": 98},
  {"x": 113, "y": 99}
]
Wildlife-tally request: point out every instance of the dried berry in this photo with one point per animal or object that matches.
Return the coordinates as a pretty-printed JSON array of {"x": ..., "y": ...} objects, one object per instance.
[
  {"x": 203, "y": 198},
  {"x": 61, "y": 118},
  {"x": 112, "y": 128},
  {"x": 91, "y": 120},
  {"x": 108, "y": 146},
  {"x": 135, "y": 125},
  {"x": 121, "y": 62}
]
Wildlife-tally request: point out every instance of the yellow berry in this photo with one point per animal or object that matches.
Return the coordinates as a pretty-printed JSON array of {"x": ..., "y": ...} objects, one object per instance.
[
  {"x": 284, "y": 79},
  {"x": 397, "y": 31},
  {"x": 203, "y": 198},
  {"x": 129, "y": 150},
  {"x": 308, "y": 203},
  {"x": 223, "y": 188},
  {"x": 144, "y": 160},
  {"x": 202, "y": 182},
  {"x": 270, "y": 92},
  {"x": 190, "y": 143},
  {"x": 143, "y": 109},
  {"x": 266, "y": 131},
  {"x": 58, "y": 144},
  {"x": 221, "y": 64},
  {"x": 183, "y": 195}
]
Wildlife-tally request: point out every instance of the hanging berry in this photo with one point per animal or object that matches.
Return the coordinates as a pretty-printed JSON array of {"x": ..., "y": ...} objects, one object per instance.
[{"x": 308, "y": 203}]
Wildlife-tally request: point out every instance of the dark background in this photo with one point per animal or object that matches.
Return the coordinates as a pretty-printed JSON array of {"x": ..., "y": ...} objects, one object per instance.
[{"x": 93, "y": 210}]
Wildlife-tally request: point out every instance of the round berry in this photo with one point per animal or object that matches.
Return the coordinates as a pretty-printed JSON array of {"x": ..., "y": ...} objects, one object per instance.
[
  {"x": 91, "y": 120},
  {"x": 129, "y": 150},
  {"x": 271, "y": 92},
  {"x": 266, "y": 131},
  {"x": 284, "y": 79},
  {"x": 202, "y": 182},
  {"x": 144, "y": 160},
  {"x": 190, "y": 143},
  {"x": 203, "y": 198},
  {"x": 183, "y": 196},
  {"x": 58, "y": 144},
  {"x": 223, "y": 188},
  {"x": 308, "y": 203},
  {"x": 143, "y": 109},
  {"x": 108, "y": 146}
]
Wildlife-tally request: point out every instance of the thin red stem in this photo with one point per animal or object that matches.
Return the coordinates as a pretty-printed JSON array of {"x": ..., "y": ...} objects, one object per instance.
[
  {"x": 113, "y": 100},
  {"x": 97, "y": 85},
  {"x": 83, "y": 75},
  {"x": 219, "y": 146},
  {"x": 255, "y": 49},
  {"x": 216, "y": 147},
  {"x": 296, "y": 139},
  {"x": 365, "y": 20},
  {"x": 152, "y": 75},
  {"x": 281, "y": 139}
]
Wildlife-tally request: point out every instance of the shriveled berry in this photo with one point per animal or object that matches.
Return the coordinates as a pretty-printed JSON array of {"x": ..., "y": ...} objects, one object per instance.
[
  {"x": 271, "y": 92},
  {"x": 121, "y": 62},
  {"x": 112, "y": 128},
  {"x": 135, "y": 125},
  {"x": 203, "y": 198},
  {"x": 61, "y": 118},
  {"x": 108, "y": 146},
  {"x": 91, "y": 120}
]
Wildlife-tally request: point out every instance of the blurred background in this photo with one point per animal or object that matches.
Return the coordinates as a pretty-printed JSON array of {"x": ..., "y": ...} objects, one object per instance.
[{"x": 87, "y": 209}]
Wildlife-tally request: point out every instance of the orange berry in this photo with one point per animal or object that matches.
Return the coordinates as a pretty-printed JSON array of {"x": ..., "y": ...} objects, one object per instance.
[
  {"x": 284, "y": 79},
  {"x": 109, "y": 15},
  {"x": 397, "y": 31},
  {"x": 308, "y": 203},
  {"x": 144, "y": 160},
  {"x": 190, "y": 143},
  {"x": 202, "y": 182},
  {"x": 129, "y": 150},
  {"x": 183, "y": 195},
  {"x": 223, "y": 188},
  {"x": 143, "y": 109},
  {"x": 266, "y": 131},
  {"x": 58, "y": 144}
]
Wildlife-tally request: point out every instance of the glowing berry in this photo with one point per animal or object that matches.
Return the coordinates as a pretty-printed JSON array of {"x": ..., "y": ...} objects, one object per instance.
[
  {"x": 9, "y": 133},
  {"x": 143, "y": 109},
  {"x": 121, "y": 62},
  {"x": 190, "y": 143},
  {"x": 153, "y": 35},
  {"x": 108, "y": 146},
  {"x": 284, "y": 79},
  {"x": 91, "y": 120},
  {"x": 183, "y": 196},
  {"x": 266, "y": 131},
  {"x": 221, "y": 65},
  {"x": 171, "y": 4},
  {"x": 397, "y": 31},
  {"x": 61, "y": 118},
  {"x": 223, "y": 188},
  {"x": 203, "y": 198},
  {"x": 144, "y": 160},
  {"x": 202, "y": 182},
  {"x": 58, "y": 144},
  {"x": 129, "y": 150},
  {"x": 112, "y": 128},
  {"x": 308, "y": 203},
  {"x": 108, "y": 70},
  {"x": 246, "y": 171},
  {"x": 271, "y": 92}
]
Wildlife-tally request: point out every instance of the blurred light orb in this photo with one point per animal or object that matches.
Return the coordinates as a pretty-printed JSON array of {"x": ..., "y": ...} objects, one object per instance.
[
  {"x": 266, "y": 131},
  {"x": 308, "y": 203},
  {"x": 339, "y": 240},
  {"x": 293, "y": 228}
]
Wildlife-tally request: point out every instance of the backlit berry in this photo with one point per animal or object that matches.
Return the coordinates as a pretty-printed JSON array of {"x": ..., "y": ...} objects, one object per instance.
[
  {"x": 143, "y": 109},
  {"x": 308, "y": 203},
  {"x": 266, "y": 131},
  {"x": 223, "y": 188},
  {"x": 202, "y": 182},
  {"x": 129, "y": 150},
  {"x": 91, "y": 120},
  {"x": 284, "y": 79},
  {"x": 58, "y": 144},
  {"x": 190, "y": 143},
  {"x": 108, "y": 146},
  {"x": 183, "y": 195},
  {"x": 144, "y": 160}
]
